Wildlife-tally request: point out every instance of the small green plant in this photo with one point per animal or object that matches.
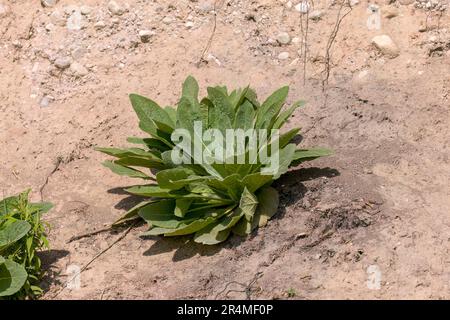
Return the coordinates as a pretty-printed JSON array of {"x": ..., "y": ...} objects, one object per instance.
[
  {"x": 291, "y": 293},
  {"x": 215, "y": 195},
  {"x": 22, "y": 234}
]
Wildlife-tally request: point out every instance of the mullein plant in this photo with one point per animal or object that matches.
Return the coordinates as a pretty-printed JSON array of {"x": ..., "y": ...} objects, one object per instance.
[
  {"x": 199, "y": 188},
  {"x": 22, "y": 235}
]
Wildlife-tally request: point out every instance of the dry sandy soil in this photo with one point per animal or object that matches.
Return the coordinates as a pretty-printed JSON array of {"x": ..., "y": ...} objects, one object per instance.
[{"x": 381, "y": 203}]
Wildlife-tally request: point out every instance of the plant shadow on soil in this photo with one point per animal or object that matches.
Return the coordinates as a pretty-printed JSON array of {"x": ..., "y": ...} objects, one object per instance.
[
  {"x": 48, "y": 259},
  {"x": 290, "y": 187}
]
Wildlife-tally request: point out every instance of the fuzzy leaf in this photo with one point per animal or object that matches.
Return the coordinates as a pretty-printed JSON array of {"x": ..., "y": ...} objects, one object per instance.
[
  {"x": 12, "y": 277},
  {"x": 12, "y": 232},
  {"x": 125, "y": 171},
  {"x": 268, "y": 199}
]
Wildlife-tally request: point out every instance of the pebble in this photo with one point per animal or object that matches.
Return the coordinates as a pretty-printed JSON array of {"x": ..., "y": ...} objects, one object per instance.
[
  {"x": 390, "y": 12},
  {"x": 115, "y": 8},
  {"x": 78, "y": 52},
  {"x": 4, "y": 10},
  {"x": 295, "y": 40},
  {"x": 385, "y": 44},
  {"x": 283, "y": 55},
  {"x": 78, "y": 70},
  {"x": 99, "y": 25},
  {"x": 62, "y": 62},
  {"x": 75, "y": 21},
  {"x": 167, "y": 20},
  {"x": 49, "y": 26},
  {"x": 189, "y": 25},
  {"x": 145, "y": 35},
  {"x": 45, "y": 101},
  {"x": 316, "y": 15},
  {"x": 48, "y": 3},
  {"x": 85, "y": 10},
  {"x": 57, "y": 18},
  {"x": 283, "y": 38},
  {"x": 206, "y": 7}
]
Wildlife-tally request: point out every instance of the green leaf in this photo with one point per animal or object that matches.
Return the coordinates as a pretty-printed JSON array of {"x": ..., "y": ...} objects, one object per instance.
[
  {"x": 284, "y": 116},
  {"x": 190, "y": 89},
  {"x": 245, "y": 116},
  {"x": 268, "y": 199},
  {"x": 125, "y": 171},
  {"x": 303, "y": 155},
  {"x": 131, "y": 214},
  {"x": 176, "y": 178},
  {"x": 255, "y": 181},
  {"x": 12, "y": 232},
  {"x": 218, "y": 232},
  {"x": 160, "y": 214},
  {"x": 41, "y": 207},
  {"x": 12, "y": 277},
  {"x": 7, "y": 205},
  {"x": 149, "y": 112},
  {"x": 248, "y": 204},
  {"x": 182, "y": 206},
  {"x": 271, "y": 107},
  {"x": 223, "y": 113}
]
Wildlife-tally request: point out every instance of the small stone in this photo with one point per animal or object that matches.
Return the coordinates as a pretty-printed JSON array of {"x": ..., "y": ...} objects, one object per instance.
[
  {"x": 99, "y": 25},
  {"x": 206, "y": 7},
  {"x": 390, "y": 12},
  {"x": 295, "y": 40},
  {"x": 85, "y": 10},
  {"x": 167, "y": 20},
  {"x": 48, "y": 3},
  {"x": 289, "y": 5},
  {"x": 283, "y": 38},
  {"x": 17, "y": 44},
  {"x": 78, "y": 70},
  {"x": 302, "y": 7},
  {"x": 71, "y": 8},
  {"x": 316, "y": 15},
  {"x": 283, "y": 55},
  {"x": 4, "y": 10},
  {"x": 385, "y": 44},
  {"x": 145, "y": 35},
  {"x": 49, "y": 26},
  {"x": 189, "y": 25},
  {"x": 57, "y": 18},
  {"x": 75, "y": 21},
  {"x": 78, "y": 52},
  {"x": 406, "y": 2},
  {"x": 354, "y": 2},
  {"x": 45, "y": 101},
  {"x": 115, "y": 8},
  {"x": 62, "y": 62}
]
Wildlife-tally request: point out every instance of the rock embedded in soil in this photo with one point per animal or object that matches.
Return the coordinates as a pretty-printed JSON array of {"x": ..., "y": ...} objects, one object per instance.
[
  {"x": 316, "y": 15},
  {"x": 75, "y": 21},
  {"x": 386, "y": 45},
  {"x": 44, "y": 102},
  {"x": 48, "y": 3},
  {"x": 78, "y": 70},
  {"x": 85, "y": 10},
  {"x": 115, "y": 8},
  {"x": 63, "y": 62},
  {"x": 283, "y": 38},
  {"x": 283, "y": 56},
  {"x": 189, "y": 25},
  {"x": 167, "y": 20},
  {"x": 57, "y": 18},
  {"x": 99, "y": 25},
  {"x": 4, "y": 10},
  {"x": 145, "y": 35}
]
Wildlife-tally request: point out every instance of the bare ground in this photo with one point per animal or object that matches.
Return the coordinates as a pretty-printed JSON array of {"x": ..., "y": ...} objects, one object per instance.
[{"x": 382, "y": 200}]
